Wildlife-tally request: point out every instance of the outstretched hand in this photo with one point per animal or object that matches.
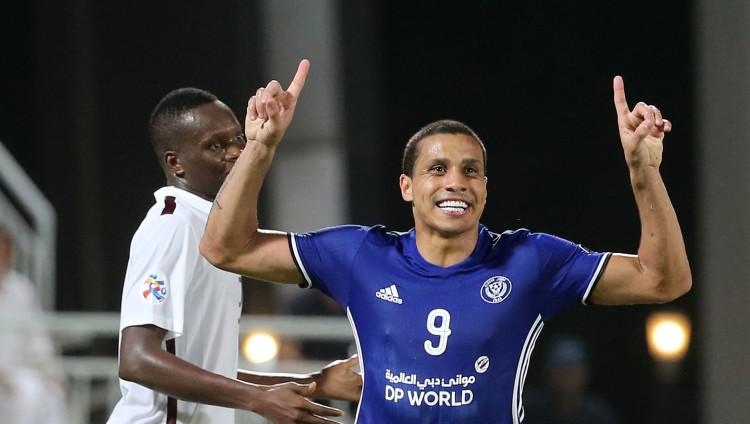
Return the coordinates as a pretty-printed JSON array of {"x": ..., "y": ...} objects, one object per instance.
[
  {"x": 641, "y": 129},
  {"x": 271, "y": 109},
  {"x": 287, "y": 403},
  {"x": 339, "y": 381}
]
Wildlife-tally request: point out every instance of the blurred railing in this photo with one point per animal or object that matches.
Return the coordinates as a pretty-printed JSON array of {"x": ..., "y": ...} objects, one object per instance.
[
  {"x": 32, "y": 221},
  {"x": 92, "y": 381}
]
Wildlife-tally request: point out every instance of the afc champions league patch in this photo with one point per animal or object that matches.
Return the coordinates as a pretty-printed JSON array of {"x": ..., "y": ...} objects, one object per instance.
[
  {"x": 496, "y": 289},
  {"x": 154, "y": 288}
]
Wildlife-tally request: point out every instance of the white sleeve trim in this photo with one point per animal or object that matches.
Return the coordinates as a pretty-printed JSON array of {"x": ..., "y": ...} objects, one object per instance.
[
  {"x": 599, "y": 269},
  {"x": 155, "y": 320},
  {"x": 298, "y": 260}
]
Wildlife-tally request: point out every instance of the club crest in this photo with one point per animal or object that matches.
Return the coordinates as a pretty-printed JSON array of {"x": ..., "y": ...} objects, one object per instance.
[{"x": 496, "y": 289}]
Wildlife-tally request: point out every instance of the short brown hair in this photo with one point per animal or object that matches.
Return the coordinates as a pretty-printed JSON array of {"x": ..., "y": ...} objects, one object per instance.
[{"x": 443, "y": 126}]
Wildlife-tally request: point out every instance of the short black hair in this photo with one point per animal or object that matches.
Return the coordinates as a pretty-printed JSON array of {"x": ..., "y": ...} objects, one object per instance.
[
  {"x": 443, "y": 126},
  {"x": 170, "y": 108}
]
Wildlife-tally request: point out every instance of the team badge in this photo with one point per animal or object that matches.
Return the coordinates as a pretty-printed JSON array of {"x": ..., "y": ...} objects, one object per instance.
[
  {"x": 154, "y": 289},
  {"x": 496, "y": 289}
]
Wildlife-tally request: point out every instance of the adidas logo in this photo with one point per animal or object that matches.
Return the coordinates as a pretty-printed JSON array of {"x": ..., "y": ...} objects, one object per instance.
[{"x": 389, "y": 294}]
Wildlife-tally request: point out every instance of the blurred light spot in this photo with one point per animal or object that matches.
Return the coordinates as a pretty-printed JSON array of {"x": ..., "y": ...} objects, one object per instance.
[
  {"x": 668, "y": 335},
  {"x": 260, "y": 347}
]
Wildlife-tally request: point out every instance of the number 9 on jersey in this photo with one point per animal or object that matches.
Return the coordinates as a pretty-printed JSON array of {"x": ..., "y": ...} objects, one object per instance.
[{"x": 442, "y": 331}]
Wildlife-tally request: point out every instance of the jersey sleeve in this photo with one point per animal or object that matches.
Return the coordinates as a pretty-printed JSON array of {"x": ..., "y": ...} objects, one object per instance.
[
  {"x": 326, "y": 258},
  {"x": 570, "y": 272},
  {"x": 162, "y": 257}
]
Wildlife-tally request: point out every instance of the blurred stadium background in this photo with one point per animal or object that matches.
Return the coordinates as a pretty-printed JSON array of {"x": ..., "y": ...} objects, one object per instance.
[{"x": 533, "y": 78}]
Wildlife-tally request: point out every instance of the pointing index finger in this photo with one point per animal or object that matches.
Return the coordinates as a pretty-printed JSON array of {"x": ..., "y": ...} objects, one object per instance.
[
  {"x": 299, "y": 78},
  {"x": 621, "y": 103}
]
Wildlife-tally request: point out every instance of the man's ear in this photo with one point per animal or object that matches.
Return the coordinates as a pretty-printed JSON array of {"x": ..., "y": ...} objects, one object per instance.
[
  {"x": 406, "y": 185},
  {"x": 485, "y": 190},
  {"x": 172, "y": 163}
]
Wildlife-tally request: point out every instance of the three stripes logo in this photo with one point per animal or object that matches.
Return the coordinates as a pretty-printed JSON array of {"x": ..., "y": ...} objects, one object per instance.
[{"x": 389, "y": 294}]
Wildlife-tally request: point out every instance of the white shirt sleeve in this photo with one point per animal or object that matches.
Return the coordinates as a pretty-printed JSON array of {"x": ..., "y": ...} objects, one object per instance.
[{"x": 162, "y": 261}]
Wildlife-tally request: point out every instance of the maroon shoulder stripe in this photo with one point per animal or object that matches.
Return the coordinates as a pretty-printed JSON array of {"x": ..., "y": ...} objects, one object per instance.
[
  {"x": 171, "y": 402},
  {"x": 169, "y": 205}
]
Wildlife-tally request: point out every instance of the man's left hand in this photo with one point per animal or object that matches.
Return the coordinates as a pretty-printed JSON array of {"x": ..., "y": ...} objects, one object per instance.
[
  {"x": 641, "y": 129},
  {"x": 339, "y": 381}
]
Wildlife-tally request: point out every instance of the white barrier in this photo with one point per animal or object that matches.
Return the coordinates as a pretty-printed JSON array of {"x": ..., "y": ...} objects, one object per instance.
[
  {"x": 92, "y": 383},
  {"x": 35, "y": 240}
]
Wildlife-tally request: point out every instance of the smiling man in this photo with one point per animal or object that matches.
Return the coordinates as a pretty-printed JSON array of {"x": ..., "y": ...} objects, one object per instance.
[
  {"x": 179, "y": 325},
  {"x": 447, "y": 314}
]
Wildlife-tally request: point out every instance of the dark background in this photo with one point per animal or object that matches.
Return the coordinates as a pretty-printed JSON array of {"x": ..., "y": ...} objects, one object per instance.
[{"x": 532, "y": 78}]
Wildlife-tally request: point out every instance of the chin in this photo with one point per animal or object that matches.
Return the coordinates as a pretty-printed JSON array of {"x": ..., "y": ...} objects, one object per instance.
[
  {"x": 455, "y": 229},
  {"x": 447, "y": 226},
  {"x": 454, "y": 232}
]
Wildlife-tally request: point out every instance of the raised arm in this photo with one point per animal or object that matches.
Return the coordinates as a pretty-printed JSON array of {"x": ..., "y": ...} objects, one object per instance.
[
  {"x": 660, "y": 272},
  {"x": 232, "y": 240}
]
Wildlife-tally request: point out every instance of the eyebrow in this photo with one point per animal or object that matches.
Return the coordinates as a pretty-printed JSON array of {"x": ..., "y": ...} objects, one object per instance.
[
  {"x": 218, "y": 137},
  {"x": 442, "y": 161},
  {"x": 471, "y": 161},
  {"x": 436, "y": 161}
]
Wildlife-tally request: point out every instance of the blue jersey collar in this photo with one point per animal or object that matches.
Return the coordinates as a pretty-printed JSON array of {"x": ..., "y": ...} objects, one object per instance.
[{"x": 409, "y": 241}]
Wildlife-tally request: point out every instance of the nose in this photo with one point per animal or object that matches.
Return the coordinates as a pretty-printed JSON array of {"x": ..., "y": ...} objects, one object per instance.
[
  {"x": 233, "y": 152},
  {"x": 456, "y": 181}
]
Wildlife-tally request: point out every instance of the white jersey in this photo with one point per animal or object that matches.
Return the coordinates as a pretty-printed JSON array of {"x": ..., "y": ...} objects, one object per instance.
[{"x": 170, "y": 285}]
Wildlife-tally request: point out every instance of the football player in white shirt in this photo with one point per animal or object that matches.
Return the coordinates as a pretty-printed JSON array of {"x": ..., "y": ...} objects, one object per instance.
[{"x": 179, "y": 325}]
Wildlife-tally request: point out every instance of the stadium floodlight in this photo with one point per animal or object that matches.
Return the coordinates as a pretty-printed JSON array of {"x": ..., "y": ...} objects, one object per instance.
[
  {"x": 260, "y": 347},
  {"x": 668, "y": 335}
]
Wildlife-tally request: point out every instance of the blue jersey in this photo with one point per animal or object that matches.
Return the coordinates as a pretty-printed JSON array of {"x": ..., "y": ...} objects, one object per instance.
[{"x": 445, "y": 345}]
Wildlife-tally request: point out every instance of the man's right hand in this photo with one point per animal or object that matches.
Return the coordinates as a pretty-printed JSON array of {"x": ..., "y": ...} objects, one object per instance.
[
  {"x": 287, "y": 404},
  {"x": 271, "y": 109}
]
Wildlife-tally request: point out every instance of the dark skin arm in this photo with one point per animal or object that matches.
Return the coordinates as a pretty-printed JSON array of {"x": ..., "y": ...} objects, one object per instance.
[
  {"x": 271, "y": 379},
  {"x": 143, "y": 361},
  {"x": 336, "y": 381}
]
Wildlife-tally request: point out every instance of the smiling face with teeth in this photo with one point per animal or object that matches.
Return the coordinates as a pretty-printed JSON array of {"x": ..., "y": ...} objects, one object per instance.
[{"x": 448, "y": 186}]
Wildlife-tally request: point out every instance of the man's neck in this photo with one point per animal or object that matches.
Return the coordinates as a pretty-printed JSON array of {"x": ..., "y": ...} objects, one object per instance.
[
  {"x": 445, "y": 250},
  {"x": 179, "y": 183}
]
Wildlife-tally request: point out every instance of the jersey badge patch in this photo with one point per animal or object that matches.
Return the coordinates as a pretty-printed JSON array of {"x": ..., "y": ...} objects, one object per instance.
[
  {"x": 389, "y": 294},
  {"x": 496, "y": 289},
  {"x": 154, "y": 289},
  {"x": 482, "y": 364}
]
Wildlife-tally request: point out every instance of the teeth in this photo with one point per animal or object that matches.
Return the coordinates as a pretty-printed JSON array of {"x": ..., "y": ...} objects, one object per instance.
[
  {"x": 453, "y": 210},
  {"x": 453, "y": 204}
]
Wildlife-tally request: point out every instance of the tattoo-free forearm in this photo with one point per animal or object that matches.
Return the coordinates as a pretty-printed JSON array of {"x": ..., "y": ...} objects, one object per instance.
[
  {"x": 661, "y": 250},
  {"x": 268, "y": 379},
  {"x": 163, "y": 372}
]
